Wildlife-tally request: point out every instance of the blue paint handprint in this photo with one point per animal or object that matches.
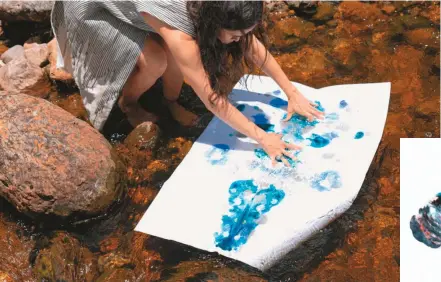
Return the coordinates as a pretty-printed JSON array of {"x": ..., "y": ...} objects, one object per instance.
[{"x": 247, "y": 205}]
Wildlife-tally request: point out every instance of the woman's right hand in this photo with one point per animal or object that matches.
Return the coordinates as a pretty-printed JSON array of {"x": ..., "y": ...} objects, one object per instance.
[{"x": 277, "y": 149}]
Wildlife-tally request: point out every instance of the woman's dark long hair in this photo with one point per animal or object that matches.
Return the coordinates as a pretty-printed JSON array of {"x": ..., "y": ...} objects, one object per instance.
[{"x": 225, "y": 63}]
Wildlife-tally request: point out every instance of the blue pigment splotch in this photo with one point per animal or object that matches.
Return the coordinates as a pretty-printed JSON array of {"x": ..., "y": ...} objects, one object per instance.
[
  {"x": 426, "y": 225},
  {"x": 240, "y": 107},
  {"x": 257, "y": 108},
  {"x": 261, "y": 120},
  {"x": 261, "y": 154},
  {"x": 278, "y": 103},
  {"x": 319, "y": 106},
  {"x": 277, "y": 92},
  {"x": 343, "y": 104},
  {"x": 320, "y": 141},
  {"x": 326, "y": 181},
  {"x": 247, "y": 205},
  {"x": 333, "y": 116},
  {"x": 217, "y": 155},
  {"x": 359, "y": 135}
]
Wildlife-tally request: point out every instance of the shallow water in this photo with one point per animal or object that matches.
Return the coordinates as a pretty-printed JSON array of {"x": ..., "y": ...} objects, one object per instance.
[{"x": 316, "y": 45}]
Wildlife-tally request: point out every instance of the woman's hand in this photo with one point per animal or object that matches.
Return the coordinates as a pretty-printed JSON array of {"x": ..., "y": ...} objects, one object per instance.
[
  {"x": 297, "y": 103},
  {"x": 277, "y": 149}
]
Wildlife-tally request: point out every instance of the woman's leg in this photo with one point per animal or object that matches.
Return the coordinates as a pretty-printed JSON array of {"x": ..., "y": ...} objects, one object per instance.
[
  {"x": 173, "y": 80},
  {"x": 151, "y": 65}
]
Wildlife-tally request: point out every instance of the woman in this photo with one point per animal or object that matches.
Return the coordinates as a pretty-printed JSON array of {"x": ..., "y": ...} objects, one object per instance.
[{"x": 125, "y": 46}]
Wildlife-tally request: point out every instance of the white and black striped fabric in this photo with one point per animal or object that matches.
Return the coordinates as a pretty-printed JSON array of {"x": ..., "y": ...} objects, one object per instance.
[{"x": 99, "y": 43}]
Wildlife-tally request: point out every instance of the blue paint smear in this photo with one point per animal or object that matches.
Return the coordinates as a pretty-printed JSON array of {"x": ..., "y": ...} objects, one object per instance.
[
  {"x": 260, "y": 119},
  {"x": 257, "y": 108},
  {"x": 319, "y": 106},
  {"x": 332, "y": 177},
  {"x": 261, "y": 154},
  {"x": 359, "y": 135},
  {"x": 333, "y": 116},
  {"x": 277, "y": 92},
  {"x": 320, "y": 141},
  {"x": 426, "y": 225},
  {"x": 247, "y": 205},
  {"x": 241, "y": 107},
  {"x": 278, "y": 103},
  {"x": 218, "y": 154},
  {"x": 343, "y": 104}
]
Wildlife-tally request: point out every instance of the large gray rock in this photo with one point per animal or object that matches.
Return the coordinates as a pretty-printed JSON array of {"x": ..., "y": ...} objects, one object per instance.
[
  {"x": 12, "y": 53},
  {"x": 36, "y": 11},
  {"x": 22, "y": 76},
  {"x": 52, "y": 163}
]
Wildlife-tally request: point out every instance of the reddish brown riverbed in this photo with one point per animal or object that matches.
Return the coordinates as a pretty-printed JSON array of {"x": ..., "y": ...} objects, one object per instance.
[{"x": 318, "y": 45}]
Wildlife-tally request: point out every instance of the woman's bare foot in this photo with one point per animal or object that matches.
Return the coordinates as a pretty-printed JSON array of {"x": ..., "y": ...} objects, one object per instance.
[
  {"x": 182, "y": 115},
  {"x": 136, "y": 114}
]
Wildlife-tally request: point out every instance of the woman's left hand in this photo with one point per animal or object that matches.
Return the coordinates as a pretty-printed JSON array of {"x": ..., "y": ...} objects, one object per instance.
[{"x": 297, "y": 103}]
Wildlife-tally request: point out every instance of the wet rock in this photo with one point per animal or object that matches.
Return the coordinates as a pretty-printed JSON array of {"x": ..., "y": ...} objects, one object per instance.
[
  {"x": 65, "y": 260},
  {"x": 356, "y": 18},
  {"x": 388, "y": 9},
  {"x": 307, "y": 64},
  {"x": 381, "y": 38},
  {"x": 37, "y": 54},
  {"x": 426, "y": 37},
  {"x": 412, "y": 22},
  {"x": 111, "y": 261},
  {"x": 54, "y": 73},
  {"x": 4, "y": 277},
  {"x": 210, "y": 270},
  {"x": 3, "y": 47},
  {"x": 22, "y": 76},
  {"x": 119, "y": 274},
  {"x": 36, "y": 11},
  {"x": 343, "y": 51},
  {"x": 144, "y": 137},
  {"x": 297, "y": 27},
  {"x": 277, "y": 6},
  {"x": 74, "y": 105},
  {"x": 52, "y": 164},
  {"x": 325, "y": 11},
  {"x": 432, "y": 13},
  {"x": 437, "y": 61},
  {"x": 14, "y": 251},
  {"x": 12, "y": 53},
  {"x": 358, "y": 12},
  {"x": 428, "y": 107}
]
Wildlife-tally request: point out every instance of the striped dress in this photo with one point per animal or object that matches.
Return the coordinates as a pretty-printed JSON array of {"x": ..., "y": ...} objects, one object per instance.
[{"x": 99, "y": 43}]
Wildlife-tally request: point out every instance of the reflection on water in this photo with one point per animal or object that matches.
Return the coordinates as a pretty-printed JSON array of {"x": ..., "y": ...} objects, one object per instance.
[{"x": 317, "y": 44}]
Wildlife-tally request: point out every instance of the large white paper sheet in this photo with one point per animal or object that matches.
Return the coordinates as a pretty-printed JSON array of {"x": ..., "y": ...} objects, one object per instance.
[{"x": 226, "y": 197}]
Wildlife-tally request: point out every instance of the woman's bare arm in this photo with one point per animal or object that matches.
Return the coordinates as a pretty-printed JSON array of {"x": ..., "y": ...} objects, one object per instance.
[
  {"x": 186, "y": 53},
  {"x": 257, "y": 54},
  {"x": 296, "y": 101}
]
